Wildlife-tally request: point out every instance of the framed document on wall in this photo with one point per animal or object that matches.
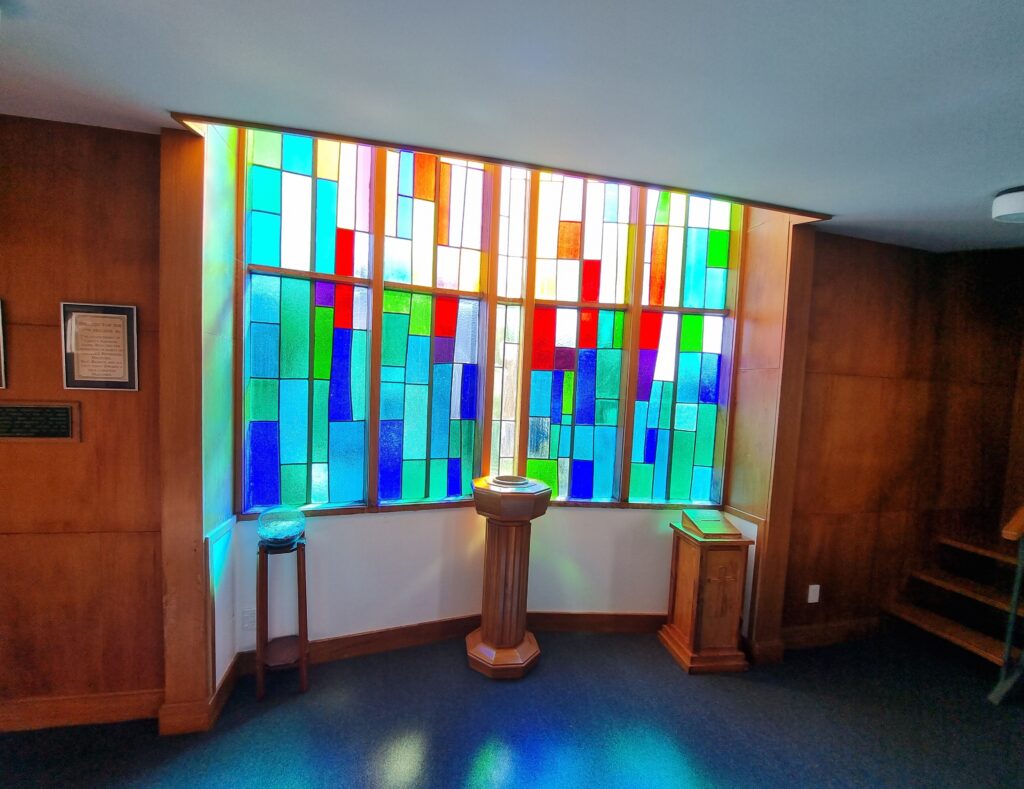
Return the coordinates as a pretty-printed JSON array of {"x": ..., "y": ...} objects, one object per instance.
[{"x": 100, "y": 346}]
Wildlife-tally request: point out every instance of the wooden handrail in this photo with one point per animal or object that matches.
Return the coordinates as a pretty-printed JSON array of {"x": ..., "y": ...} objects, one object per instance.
[{"x": 1014, "y": 528}]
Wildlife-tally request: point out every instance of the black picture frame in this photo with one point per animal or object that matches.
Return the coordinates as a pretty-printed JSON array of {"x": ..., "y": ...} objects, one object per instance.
[{"x": 100, "y": 369}]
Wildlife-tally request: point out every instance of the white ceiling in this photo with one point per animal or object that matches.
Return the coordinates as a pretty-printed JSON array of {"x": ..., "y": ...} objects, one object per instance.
[{"x": 902, "y": 118}]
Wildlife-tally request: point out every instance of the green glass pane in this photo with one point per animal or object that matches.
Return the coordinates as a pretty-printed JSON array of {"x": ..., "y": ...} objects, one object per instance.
[
  {"x": 735, "y": 216},
  {"x": 606, "y": 412},
  {"x": 556, "y": 437},
  {"x": 396, "y": 301},
  {"x": 261, "y": 400},
  {"x": 718, "y": 249},
  {"x": 468, "y": 447},
  {"x": 395, "y": 339},
  {"x": 321, "y": 390},
  {"x": 617, "y": 335},
  {"x": 265, "y": 148},
  {"x": 661, "y": 215},
  {"x": 414, "y": 479},
  {"x": 294, "y": 328},
  {"x": 691, "y": 335},
  {"x": 682, "y": 465},
  {"x": 293, "y": 484},
  {"x": 568, "y": 384},
  {"x": 608, "y": 364},
  {"x": 414, "y": 442},
  {"x": 704, "y": 450},
  {"x": 439, "y": 479},
  {"x": 419, "y": 319},
  {"x": 641, "y": 481},
  {"x": 545, "y": 471},
  {"x": 323, "y": 342},
  {"x": 454, "y": 438},
  {"x": 665, "y": 415}
]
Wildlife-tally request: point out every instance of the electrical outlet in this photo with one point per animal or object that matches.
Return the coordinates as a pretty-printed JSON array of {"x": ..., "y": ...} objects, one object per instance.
[
  {"x": 813, "y": 593},
  {"x": 248, "y": 619}
]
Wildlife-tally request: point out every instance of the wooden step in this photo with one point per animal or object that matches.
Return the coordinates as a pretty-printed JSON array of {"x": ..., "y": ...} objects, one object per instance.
[
  {"x": 983, "y": 593},
  {"x": 980, "y": 644},
  {"x": 993, "y": 548}
]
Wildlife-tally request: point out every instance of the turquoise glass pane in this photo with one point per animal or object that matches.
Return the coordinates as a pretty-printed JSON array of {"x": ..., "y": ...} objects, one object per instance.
[
  {"x": 264, "y": 239},
  {"x": 297, "y": 154}
]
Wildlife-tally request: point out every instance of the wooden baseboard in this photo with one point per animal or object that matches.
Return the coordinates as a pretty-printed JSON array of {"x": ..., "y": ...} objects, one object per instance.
[
  {"x": 763, "y": 653},
  {"x": 556, "y": 621},
  {"x": 224, "y": 690},
  {"x": 326, "y": 650},
  {"x": 829, "y": 633},
  {"x": 43, "y": 712}
]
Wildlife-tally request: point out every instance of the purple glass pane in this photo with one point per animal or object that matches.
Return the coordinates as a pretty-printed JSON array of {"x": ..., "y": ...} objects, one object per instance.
[
  {"x": 565, "y": 358},
  {"x": 444, "y": 350},
  {"x": 645, "y": 374},
  {"x": 324, "y": 294}
]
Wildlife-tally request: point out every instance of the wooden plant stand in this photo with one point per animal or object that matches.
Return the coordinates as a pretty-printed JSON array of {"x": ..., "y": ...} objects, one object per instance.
[{"x": 285, "y": 651}]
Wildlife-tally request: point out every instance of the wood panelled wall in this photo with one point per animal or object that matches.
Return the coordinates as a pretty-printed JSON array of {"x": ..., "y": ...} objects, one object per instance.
[
  {"x": 911, "y": 369},
  {"x": 80, "y": 566}
]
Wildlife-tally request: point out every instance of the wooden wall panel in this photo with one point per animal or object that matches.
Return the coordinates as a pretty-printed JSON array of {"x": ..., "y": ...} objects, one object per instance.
[
  {"x": 908, "y": 395},
  {"x": 97, "y": 627},
  {"x": 80, "y": 606}
]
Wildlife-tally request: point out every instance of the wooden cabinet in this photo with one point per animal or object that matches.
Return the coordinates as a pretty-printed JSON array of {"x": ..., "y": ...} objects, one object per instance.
[{"x": 709, "y": 565}]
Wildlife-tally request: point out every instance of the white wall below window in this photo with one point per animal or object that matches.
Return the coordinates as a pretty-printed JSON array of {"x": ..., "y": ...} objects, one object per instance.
[{"x": 376, "y": 571}]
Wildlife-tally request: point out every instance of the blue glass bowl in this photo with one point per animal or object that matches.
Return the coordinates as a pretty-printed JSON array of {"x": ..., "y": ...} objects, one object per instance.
[{"x": 280, "y": 525}]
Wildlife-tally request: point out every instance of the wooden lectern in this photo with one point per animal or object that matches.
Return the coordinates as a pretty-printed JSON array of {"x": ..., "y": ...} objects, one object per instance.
[
  {"x": 705, "y": 607},
  {"x": 502, "y": 647}
]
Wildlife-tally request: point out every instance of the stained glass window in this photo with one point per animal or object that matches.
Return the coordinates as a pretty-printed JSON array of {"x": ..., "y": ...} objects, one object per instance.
[
  {"x": 574, "y": 401},
  {"x": 427, "y": 197},
  {"x": 686, "y": 250},
  {"x": 306, "y": 392},
  {"x": 556, "y": 402},
  {"x": 428, "y": 396},
  {"x": 675, "y": 415}
]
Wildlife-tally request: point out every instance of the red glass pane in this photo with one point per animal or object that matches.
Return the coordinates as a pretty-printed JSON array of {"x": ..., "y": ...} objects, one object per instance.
[
  {"x": 343, "y": 306},
  {"x": 446, "y": 316},
  {"x": 588, "y": 329},
  {"x": 344, "y": 251},
  {"x": 650, "y": 330},
  {"x": 543, "y": 339},
  {"x": 591, "y": 280}
]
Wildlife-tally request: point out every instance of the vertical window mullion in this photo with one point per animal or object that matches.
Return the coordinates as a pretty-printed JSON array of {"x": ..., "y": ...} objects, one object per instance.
[
  {"x": 378, "y": 190},
  {"x": 526, "y": 336},
  {"x": 631, "y": 345}
]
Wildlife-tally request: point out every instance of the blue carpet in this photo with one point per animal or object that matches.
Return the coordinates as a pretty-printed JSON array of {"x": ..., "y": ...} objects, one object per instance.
[{"x": 899, "y": 710}]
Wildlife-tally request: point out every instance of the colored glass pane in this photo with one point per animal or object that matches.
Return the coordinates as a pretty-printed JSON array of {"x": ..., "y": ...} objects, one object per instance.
[
  {"x": 675, "y": 415},
  {"x": 575, "y": 377},
  {"x": 584, "y": 238},
  {"x": 686, "y": 250},
  {"x": 429, "y": 396},
  {"x": 305, "y": 393}
]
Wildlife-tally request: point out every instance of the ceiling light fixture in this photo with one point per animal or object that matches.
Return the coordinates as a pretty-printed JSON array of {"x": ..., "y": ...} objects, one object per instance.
[{"x": 1008, "y": 205}]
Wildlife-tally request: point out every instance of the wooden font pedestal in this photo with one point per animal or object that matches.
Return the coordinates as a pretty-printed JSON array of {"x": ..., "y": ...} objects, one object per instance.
[
  {"x": 284, "y": 651},
  {"x": 709, "y": 565},
  {"x": 502, "y": 647}
]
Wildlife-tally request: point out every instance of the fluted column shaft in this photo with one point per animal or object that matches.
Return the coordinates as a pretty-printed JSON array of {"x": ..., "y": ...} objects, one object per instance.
[{"x": 506, "y": 574}]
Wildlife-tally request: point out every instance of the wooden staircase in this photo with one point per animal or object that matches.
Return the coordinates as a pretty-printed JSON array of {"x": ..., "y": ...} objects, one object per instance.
[{"x": 969, "y": 594}]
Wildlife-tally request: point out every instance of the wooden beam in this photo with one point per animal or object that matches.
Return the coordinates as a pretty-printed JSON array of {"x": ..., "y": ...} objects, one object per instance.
[{"x": 187, "y": 641}]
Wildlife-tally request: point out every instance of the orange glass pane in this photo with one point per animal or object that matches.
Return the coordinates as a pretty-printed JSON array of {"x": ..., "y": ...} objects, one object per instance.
[
  {"x": 424, "y": 175},
  {"x": 659, "y": 256},
  {"x": 444, "y": 203},
  {"x": 569, "y": 240}
]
